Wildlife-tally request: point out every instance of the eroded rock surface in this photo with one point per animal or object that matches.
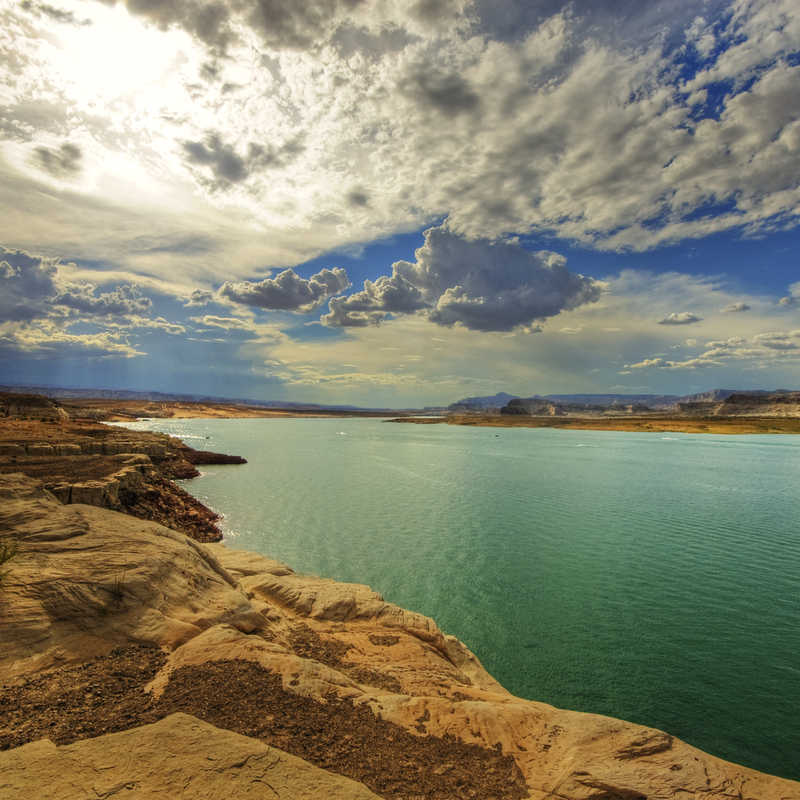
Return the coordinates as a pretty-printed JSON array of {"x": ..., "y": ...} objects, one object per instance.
[
  {"x": 179, "y": 756},
  {"x": 326, "y": 671}
]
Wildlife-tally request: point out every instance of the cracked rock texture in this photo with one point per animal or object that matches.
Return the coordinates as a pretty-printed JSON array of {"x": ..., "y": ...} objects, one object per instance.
[
  {"x": 179, "y": 756},
  {"x": 87, "y": 580}
]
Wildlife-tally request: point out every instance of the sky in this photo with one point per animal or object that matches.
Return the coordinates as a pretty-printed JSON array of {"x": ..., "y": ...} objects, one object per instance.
[{"x": 400, "y": 202}]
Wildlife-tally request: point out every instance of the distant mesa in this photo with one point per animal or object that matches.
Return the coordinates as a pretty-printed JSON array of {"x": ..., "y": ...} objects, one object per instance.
[
  {"x": 715, "y": 402},
  {"x": 484, "y": 405}
]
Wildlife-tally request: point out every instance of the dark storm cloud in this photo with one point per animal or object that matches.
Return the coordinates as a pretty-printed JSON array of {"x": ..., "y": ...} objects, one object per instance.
[
  {"x": 61, "y": 163},
  {"x": 228, "y": 167},
  {"x": 680, "y": 318},
  {"x": 482, "y": 285},
  {"x": 288, "y": 291}
]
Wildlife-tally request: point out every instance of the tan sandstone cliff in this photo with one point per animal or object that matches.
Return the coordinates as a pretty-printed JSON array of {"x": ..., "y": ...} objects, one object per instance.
[{"x": 139, "y": 663}]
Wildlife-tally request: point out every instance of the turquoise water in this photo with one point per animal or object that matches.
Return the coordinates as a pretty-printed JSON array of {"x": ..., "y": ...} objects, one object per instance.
[{"x": 653, "y": 577}]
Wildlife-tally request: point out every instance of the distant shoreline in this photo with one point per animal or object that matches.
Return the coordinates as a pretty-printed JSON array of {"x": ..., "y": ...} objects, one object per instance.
[{"x": 724, "y": 425}]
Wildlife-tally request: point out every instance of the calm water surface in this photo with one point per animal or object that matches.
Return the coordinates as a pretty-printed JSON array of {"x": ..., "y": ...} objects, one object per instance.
[{"x": 653, "y": 577}]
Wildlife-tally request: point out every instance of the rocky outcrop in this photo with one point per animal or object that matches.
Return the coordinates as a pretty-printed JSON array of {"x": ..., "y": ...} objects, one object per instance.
[
  {"x": 532, "y": 406},
  {"x": 113, "y": 623},
  {"x": 31, "y": 406},
  {"x": 180, "y": 756}
]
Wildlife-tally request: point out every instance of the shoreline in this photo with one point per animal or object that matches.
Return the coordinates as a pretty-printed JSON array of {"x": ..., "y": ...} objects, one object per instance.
[
  {"x": 365, "y": 689},
  {"x": 649, "y": 424}
]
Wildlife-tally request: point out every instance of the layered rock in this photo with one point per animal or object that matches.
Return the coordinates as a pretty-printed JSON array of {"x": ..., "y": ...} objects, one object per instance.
[{"x": 113, "y": 623}]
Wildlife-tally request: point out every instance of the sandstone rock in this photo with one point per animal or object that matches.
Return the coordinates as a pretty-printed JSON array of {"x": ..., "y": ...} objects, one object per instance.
[
  {"x": 242, "y": 563},
  {"x": 40, "y": 450},
  {"x": 86, "y": 579},
  {"x": 102, "y": 493},
  {"x": 67, "y": 449},
  {"x": 180, "y": 756},
  {"x": 62, "y": 491},
  {"x": 116, "y": 447},
  {"x": 91, "y": 447}
]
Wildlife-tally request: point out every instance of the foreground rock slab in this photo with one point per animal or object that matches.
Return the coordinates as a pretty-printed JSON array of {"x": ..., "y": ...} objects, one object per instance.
[
  {"x": 110, "y": 622},
  {"x": 180, "y": 756}
]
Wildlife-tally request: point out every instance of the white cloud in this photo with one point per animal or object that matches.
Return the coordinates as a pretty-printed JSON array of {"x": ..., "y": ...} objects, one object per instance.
[
  {"x": 680, "y": 318},
  {"x": 481, "y": 285},
  {"x": 288, "y": 291},
  {"x": 561, "y": 127}
]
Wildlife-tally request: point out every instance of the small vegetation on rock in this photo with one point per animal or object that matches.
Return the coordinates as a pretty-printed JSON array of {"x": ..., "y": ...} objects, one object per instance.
[{"x": 8, "y": 549}]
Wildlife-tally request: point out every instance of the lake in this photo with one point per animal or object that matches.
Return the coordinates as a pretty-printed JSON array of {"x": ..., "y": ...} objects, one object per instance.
[{"x": 652, "y": 577}]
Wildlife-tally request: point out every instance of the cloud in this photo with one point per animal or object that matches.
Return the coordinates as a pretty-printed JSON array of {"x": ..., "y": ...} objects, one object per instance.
[
  {"x": 26, "y": 281},
  {"x": 65, "y": 162},
  {"x": 646, "y": 363},
  {"x": 357, "y": 197},
  {"x": 680, "y": 318},
  {"x": 124, "y": 299},
  {"x": 208, "y": 20},
  {"x": 778, "y": 341},
  {"x": 151, "y": 323},
  {"x": 199, "y": 297},
  {"x": 228, "y": 167},
  {"x": 479, "y": 284},
  {"x": 57, "y": 14},
  {"x": 288, "y": 291},
  {"x": 793, "y": 298},
  {"x": 289, "y": 24},
  {"x": 49, "y": 341},
  {"x": 448, "y": 93},
  {"x": 735, "y": 308},
  {"x": 226, "y": 323}
]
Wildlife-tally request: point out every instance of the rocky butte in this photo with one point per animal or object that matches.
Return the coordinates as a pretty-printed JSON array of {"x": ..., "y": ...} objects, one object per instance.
[{"x": 138, "y": 661}]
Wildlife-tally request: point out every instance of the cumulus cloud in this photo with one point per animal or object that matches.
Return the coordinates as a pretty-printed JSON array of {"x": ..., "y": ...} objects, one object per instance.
[
  {"x": 83, "y": 298},
  {"x": 680, "y": 318},
  {"x": 735, "y": 308},
  {"x": 288, "y": 291},
  {"x": 31, "y": 289},
  {"x": 487, "y": 286},
  {"x": 793, "y": 298},
  {"x": 199, "y": 297},
  {"x": 64, "y": 162},
  {"x": 26, "y": 281}
]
